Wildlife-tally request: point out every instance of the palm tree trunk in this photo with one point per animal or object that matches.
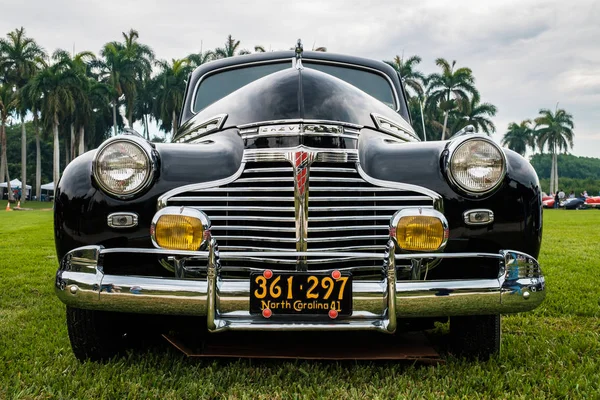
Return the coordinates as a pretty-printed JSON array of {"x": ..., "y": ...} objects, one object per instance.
[
  {"x": 3, "y": 153},
  {"x": 552, "y": 174},
  {"x": 72, "y": 152},
  {"x": 38, "y": 167},
  {"x": 4, "y": 162},
  {"x": 556, "y": 171},
  {"x": 114, "y": 109},
  {"x": 130, "y": 117},
  {"x": 11, "y": 197},
  {"x": 23, "y": 160},
  {"x": 67, "y": 152},
  {"x": 81, "y": 140},
  {"x": 445, "y": 123},
  {"x": 174, "y": 124},
  {"x": 56, "y": 158},
  {"x": 146, "y": 133},
  {"x": 2, "y": 158}
]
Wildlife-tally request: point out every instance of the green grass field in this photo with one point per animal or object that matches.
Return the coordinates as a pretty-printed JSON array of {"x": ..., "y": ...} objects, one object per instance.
[{"x": 553, "y": 352}]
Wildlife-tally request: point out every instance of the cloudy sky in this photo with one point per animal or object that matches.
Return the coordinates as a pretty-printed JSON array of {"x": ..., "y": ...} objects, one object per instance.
[{"x": 525, "y": 54}]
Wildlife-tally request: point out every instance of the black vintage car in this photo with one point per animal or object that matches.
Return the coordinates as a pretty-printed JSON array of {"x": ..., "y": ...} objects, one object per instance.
[{"x": 296, "y": 196}]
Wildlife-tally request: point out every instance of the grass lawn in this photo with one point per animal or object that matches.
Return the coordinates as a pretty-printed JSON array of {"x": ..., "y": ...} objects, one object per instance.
[{"x": 553, "y": 352}]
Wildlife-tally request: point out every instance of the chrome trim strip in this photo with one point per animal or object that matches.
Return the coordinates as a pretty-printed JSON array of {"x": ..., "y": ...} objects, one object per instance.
[
  {"x": 399, "y": 130},
  {"x": 246, "y": 208},
  {"x": 371, "y": 199},
  {"x": 438, "y": 201},
  {"x": 256, "y": 125},
  {"x": 229, "y": 198},
  {"x": 299, "y": 129},
  {"x": 345, "y": 238},
  {"x": 253, "y": 218},
  {"x": 162, "y": 200},
  {"x": 253, "y": 228},
  {"x": 345, "y": 218},
  {"x": 200, "y": 129},
  {"x": 349, "y": 228}
]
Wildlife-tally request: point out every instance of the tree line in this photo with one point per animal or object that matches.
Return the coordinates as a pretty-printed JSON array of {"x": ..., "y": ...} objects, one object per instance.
[{"x": 79, "y": 99}]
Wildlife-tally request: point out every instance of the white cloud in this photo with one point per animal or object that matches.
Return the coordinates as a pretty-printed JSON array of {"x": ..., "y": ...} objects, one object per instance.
[{"x": 525, "y": 54}]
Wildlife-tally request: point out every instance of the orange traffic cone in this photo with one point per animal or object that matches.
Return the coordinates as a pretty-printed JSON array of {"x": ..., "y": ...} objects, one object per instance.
[
  {"x": 8, "y": 206},
  {"x": 19, "y": 204}
]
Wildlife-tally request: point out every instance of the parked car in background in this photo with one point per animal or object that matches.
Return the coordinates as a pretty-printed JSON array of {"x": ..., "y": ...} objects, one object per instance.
[{"x": 296, "y": 196}]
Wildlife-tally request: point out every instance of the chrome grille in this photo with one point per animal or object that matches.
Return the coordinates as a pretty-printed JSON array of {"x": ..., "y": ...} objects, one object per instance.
[
  {"x": 347, "y": 213},
  {"x": 253, "y": 213},
  {"x": 256, "y": 213}
]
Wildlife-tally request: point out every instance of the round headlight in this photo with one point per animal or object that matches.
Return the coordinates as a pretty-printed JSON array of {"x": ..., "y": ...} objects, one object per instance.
[
  {"x": 477, "y": 166},
  {"x": 122, "y": 168}
]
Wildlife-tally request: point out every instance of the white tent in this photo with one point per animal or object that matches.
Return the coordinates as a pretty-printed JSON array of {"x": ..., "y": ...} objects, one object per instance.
[
  {"x": 48, "y": 186},
  {"x": 14, "y": 184}
]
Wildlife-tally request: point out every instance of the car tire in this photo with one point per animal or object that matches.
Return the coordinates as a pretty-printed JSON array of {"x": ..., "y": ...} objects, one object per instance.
[
  {"x": 475, "y": 337},
  {"x": 99, "y": 335}
]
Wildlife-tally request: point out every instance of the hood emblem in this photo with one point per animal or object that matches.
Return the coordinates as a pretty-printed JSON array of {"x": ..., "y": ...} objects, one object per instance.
[
  {"x": 299, "y": 50},
  {"x": 301, "y": 170}
]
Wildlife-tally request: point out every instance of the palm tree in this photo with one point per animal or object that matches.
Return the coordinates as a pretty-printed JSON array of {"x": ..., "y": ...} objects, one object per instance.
[
  {"x": 113, "y": 71},
  {"x": 79, "y": 64},
  {"x": 144, "y": 106},
  {"x": 230, "y": 49},
  {"x": 8, "y": 102},
  {"x": 451, "y": 85},
  {"x": 139, "y": 58},
  {"x": 21, "y": 58},
  {"x": 519, "y": 136},
  {"x": 124, "y": 67},
  {"x": 472, "y": 112},
  {"x": 57, "y": 87},
  {"x": 197, "y": 59},
  {"x": 170, "y": 87},
  {"x": 411, "y": 78},
  {"x": 554, "y": 130}
]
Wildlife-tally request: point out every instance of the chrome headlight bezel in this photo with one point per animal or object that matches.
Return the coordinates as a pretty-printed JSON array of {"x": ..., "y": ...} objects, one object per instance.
[
  {"x": 457, "y": 186},
  {"x": 151, "y": 167}
]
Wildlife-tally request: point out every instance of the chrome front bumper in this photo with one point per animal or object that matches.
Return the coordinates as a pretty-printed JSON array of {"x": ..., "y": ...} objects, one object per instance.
[{"x": 377, "y": 304}]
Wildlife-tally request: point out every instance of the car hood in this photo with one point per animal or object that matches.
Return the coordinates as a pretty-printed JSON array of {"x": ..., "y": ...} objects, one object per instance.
[{"x": 293, "y": 94}]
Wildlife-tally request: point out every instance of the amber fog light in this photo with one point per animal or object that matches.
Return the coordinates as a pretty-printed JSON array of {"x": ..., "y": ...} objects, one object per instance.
[
  {"x": 179, "y": 228},
  {"x": 419, "y": 229}
]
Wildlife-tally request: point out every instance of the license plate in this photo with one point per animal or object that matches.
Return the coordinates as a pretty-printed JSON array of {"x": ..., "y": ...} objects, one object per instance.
[{"x": 288, "y": 293}]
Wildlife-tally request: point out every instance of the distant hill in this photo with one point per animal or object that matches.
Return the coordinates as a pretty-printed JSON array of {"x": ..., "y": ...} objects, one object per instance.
[{"x": 569, "y": 166}]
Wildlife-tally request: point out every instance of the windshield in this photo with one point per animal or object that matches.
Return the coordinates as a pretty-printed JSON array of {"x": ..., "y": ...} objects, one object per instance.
[{"x": 218, "y": 85}]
